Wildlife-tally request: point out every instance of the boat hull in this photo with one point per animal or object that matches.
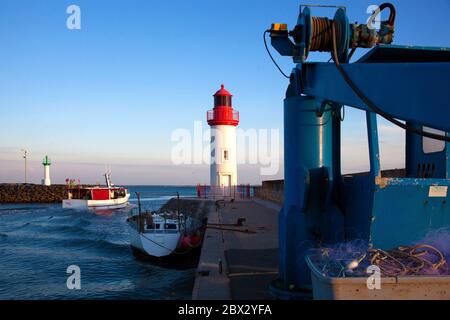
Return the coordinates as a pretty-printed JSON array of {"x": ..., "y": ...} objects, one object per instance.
[
  {"x": 96, "y": 204},
  {"x": 155, "y": 244}
]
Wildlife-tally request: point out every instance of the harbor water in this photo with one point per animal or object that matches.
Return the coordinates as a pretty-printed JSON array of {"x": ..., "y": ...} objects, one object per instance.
[{"x": 38, "y": 242}]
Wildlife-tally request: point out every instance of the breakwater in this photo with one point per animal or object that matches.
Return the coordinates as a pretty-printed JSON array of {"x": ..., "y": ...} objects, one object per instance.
[
  {"x": 272, "y": 190},
  {"x": 198, "y": 208},
  {"x": 31, "y": 193}
]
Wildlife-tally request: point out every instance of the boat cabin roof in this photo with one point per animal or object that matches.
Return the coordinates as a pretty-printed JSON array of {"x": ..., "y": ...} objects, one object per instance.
[{"x": 97, "y": 193}]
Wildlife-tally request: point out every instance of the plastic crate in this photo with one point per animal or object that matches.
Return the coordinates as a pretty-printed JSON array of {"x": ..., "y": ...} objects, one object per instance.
[{"x": 392, "y": 288}]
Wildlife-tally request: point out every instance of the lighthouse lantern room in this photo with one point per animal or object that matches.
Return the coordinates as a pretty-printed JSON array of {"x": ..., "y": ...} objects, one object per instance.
[{"x": 223, "y": 120}]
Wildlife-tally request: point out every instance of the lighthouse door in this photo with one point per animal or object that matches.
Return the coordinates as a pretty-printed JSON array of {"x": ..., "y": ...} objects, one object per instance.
[{"x": 225, "y": 183}]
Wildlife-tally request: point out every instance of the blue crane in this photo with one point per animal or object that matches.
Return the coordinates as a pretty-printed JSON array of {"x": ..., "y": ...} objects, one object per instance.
[{"x": 408, "y": 86}]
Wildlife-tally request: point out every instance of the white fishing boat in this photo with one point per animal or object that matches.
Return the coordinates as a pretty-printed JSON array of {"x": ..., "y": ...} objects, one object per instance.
[
  {"x": 163, "y": 234},
  {"x": 100, "y": 198},
  {"x": 157, "y": 235}
]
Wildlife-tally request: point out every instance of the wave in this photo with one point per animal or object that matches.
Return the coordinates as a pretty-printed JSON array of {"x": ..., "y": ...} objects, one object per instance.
[
  {"x": 65, "y": 229},
  {"x": 97, "y": 244},
  {"x": 152, "y": 199}
]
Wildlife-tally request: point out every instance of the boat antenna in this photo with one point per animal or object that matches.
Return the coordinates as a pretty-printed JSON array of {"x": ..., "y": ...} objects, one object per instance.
[
  {"x": 140, "y": 223},
  {"x": 138, "y": 195},
  {"x": 108, "y": 179},
  {"x": 178, "y": 209}
]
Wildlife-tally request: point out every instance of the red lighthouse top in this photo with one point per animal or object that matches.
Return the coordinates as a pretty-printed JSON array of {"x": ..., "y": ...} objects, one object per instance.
[
  {"x": 222, "y": 92},
  {"x": 223, "y": 113}
]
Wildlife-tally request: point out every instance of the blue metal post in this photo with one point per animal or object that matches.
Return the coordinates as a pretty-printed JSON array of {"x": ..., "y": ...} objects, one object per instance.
[
  {"x": 447, "y": 158},
  {"x": 308, "y": 148},
  {"x": 374, "y": 149}
]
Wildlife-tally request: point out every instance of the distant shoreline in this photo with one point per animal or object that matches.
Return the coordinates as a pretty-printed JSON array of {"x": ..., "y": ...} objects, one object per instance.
[{"x": 128, "y": 185}]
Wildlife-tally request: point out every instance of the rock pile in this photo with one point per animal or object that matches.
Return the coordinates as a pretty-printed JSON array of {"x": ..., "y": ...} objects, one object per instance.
[{"x": 31, "y": 193}]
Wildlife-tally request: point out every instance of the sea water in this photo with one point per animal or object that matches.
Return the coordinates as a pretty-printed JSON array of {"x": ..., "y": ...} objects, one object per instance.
[{"x": 38, "y": 242}]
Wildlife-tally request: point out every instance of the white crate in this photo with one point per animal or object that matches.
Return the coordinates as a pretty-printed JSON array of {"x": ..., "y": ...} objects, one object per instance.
[{"x": 392, "y": 288}]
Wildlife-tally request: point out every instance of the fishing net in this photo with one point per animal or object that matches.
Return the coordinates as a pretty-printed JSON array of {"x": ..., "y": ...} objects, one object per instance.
[{"x": 351, "y": 259}]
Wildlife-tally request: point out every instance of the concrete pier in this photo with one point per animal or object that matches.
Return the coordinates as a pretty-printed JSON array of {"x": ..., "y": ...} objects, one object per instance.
[{"x": 239, "y": 262}]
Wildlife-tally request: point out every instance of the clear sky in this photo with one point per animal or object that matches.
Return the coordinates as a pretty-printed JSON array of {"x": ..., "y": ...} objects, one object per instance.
[{"x": 114, "y": 91}]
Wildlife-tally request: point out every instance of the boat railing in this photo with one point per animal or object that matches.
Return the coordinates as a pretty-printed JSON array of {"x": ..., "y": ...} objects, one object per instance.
[{"x": 145, "y": 222}]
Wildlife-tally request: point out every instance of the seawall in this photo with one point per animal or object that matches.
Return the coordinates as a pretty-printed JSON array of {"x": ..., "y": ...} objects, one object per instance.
[
  {"x": 35, "y": 193},
  {"x": 195, "y": 207},
  {"x": 271, "y": 190}
]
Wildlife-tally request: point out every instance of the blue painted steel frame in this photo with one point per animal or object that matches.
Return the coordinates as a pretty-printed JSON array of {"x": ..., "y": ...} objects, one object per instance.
[
  {"x": 320, "y": 203},
  {"x": 409, "y": 91}
]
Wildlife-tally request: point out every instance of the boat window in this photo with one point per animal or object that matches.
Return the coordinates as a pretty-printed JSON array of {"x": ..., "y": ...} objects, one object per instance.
[
  {"x": 171, "y": 226},
  {"x": 156, "y": 225}
]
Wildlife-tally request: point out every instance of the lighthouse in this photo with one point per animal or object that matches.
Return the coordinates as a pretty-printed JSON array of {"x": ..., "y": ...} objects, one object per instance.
[
  {"x": 46, "y": 163},
  {"x": 223, "y": 120}
]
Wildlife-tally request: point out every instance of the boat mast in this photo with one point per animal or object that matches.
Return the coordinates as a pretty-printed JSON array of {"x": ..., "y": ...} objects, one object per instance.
[{"x": 108, "y": 179}]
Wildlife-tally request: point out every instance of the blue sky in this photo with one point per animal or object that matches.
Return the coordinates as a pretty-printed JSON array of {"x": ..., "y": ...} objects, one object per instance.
[{"x": 114, "y": 91}]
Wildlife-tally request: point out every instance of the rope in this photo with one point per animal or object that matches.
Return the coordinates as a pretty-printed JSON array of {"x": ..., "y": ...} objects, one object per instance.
[
  {"x": 321, "y": 34},
  {"x": 172, "y": 251},
  {"x": 407, "y": 260},
  {"x": 369, "y": 102},
  {"x": 218, "y": 227},
  {"x": 143, "y": 235},
  {"x": 416, "y": 260},
  {"x": 325, "y": 34}
]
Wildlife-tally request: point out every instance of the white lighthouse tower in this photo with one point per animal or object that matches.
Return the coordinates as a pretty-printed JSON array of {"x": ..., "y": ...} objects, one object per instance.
[
  {"x": 46, "y": 163},
  {"x": 223, "y": 121}
]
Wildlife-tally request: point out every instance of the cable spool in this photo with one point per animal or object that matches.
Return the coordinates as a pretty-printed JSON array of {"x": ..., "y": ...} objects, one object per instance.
[{"x": 319, "y": 35}]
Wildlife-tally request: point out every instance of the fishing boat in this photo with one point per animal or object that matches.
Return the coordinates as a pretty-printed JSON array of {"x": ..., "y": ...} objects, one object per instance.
[
  {"x": 163, "y": 234},
  {"x": 100, "y": 198}
]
